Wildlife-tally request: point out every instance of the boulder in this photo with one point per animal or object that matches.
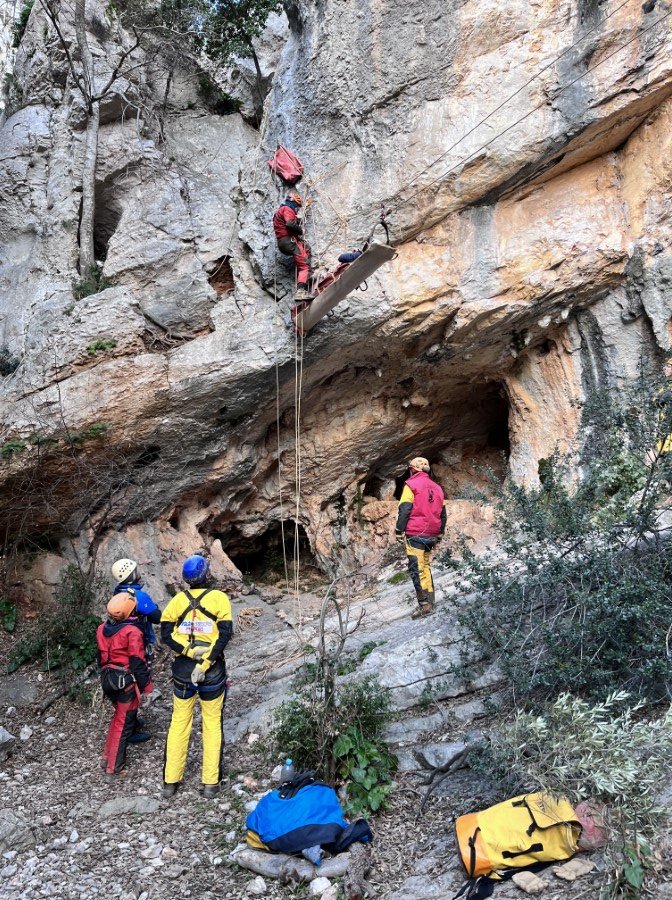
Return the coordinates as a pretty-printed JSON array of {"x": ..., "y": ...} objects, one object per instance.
[{"x": 15, "y": 833}]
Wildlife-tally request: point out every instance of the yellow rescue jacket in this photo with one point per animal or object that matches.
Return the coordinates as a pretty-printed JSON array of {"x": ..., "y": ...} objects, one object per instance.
[
  {"x": 195, "y": 618},
  {"x": 529, "y": 829}
]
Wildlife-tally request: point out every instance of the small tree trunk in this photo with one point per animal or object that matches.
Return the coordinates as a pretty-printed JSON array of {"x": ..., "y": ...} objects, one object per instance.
[
  {"x": 260, "y": 79},
  {"x": 87, "y": 258},
  {"x": 86, "y": 254}
]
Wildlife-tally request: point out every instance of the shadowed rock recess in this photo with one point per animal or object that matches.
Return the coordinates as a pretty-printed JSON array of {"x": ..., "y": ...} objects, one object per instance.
[{"x": 534, "y": 264}]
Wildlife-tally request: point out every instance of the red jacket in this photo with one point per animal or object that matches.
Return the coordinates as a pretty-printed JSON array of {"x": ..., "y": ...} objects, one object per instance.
[
  {"x": 286, "y": 223},
  {"x": 122, "y": 644},
  {"x": 425, "y": 516}
]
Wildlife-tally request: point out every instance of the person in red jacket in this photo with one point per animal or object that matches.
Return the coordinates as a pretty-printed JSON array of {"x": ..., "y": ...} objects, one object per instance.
[
  {"x": 289, "y": 235},
  {"x": 421, "y": 524},
  {"x": 124, "y": 676}
]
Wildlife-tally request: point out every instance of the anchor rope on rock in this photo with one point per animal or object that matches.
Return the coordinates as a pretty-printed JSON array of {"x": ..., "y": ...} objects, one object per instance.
[
  {"x": 561, "y": 90},
  {"x": 519, "y": 90}
]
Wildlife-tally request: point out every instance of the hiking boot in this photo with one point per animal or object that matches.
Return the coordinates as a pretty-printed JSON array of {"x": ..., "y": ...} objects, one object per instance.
[
  {"x": 139, "y": 737},
  {"x": 303, "y": 295},
  {"x": 210, "y": 791},
  {"x": 424, "y": 610},
  {"x": 168, "y": 790},
  {"x": 111, "y": 777},
  {"x": 431, "y": 599}
]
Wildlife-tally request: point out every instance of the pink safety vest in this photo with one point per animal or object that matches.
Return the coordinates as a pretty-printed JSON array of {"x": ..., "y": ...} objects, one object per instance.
[{"x": 425, "y": 518}]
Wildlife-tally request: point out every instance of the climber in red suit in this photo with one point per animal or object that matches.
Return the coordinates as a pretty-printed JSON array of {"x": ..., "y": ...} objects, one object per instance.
[
  {"x": 289, "y": 235},
  {"x": 124, "y": 676}
]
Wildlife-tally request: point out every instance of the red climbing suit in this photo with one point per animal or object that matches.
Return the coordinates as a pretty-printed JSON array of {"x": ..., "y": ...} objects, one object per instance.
[
  {"x": 124, "y": 676},
  {"x": 289, "y": 235}
]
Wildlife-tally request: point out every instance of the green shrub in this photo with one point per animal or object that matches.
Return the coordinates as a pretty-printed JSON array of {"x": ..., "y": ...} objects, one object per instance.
[
  {"x": 340, "y": 738},
  {"x": 64, "y": 638},
  {"x": 579, "y": 595},
  {"x": 398, "y": 578},
  {"x": 92, "y": 282},
  {"x": 10, "y": 448},
  {"x": 215, "y": 99},
  {"x": 603, "y": 752},
  {"x": 9, "y": 615},
  {"x": 101, "y": 346},
  {"x": 95, "y": 430}
]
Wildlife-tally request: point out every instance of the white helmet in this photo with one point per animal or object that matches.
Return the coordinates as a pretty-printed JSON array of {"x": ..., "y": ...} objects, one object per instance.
[{"x": 123, "y": 569}]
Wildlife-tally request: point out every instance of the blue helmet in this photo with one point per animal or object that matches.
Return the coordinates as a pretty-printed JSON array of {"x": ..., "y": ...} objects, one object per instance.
[{"x": 195, "y": 569}]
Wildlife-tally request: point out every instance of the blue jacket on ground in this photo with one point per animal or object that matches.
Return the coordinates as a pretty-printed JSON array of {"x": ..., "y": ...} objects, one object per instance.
[
  {"x": 312, "y": 816},
  {"x": 148, "y": 612}
]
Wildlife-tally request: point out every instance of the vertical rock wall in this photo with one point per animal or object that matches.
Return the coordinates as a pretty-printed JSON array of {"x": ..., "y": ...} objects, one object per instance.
[{"x": 533, "y": 265}]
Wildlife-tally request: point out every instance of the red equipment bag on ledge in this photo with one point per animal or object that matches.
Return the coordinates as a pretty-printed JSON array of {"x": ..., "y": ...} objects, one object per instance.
[{"x": 286, "y": 165}]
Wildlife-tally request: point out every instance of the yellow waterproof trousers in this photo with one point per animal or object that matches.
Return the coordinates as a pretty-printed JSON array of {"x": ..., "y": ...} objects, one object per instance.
[
  {"x": 417, "y": 556},
  {"x": 177, "y": 742}
]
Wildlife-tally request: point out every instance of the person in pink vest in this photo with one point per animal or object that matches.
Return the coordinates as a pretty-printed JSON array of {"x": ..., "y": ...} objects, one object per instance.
[{"x": 421, "y": 524}]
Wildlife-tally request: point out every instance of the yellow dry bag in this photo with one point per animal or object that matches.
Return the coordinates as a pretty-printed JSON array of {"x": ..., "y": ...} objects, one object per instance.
[{"x": 529, "y": 829}]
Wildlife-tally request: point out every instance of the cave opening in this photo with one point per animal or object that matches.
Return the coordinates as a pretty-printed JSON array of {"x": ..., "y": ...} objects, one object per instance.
[
  {"x": 108, "y": 212},
  {"x": 475, "y": 437},
  {"x": 260, "y": 557}
]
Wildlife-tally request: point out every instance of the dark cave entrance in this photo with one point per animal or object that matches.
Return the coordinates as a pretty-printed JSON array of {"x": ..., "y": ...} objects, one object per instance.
[
  {"x": 475, "y": 437},
  {"x": 108, "y": 212},
  {"x": 260, "y": 557}
]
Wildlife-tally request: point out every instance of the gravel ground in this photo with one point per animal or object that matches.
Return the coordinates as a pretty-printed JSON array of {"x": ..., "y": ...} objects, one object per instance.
[{"x": 179, "y": 848}]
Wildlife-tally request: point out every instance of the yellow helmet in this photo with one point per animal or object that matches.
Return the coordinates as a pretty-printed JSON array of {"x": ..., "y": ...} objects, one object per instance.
[
  {"x": 121, "y": 606},
  {"x": 419, "y": 463}
]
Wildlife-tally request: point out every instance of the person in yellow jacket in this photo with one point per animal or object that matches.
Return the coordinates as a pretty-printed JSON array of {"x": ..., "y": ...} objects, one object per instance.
[{"x": 197, "y": 625}]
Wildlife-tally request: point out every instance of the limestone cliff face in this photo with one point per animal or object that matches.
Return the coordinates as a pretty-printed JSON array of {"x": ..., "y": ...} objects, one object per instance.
[{"x": 533, "y": 264}]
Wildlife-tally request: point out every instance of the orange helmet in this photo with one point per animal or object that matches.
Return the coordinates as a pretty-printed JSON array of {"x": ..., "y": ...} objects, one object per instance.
[
  {"x": 295, "y": 198},
  {"x": 121, "y": 606}
]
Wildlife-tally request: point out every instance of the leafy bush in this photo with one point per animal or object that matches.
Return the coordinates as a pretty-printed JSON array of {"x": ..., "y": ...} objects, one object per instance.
[
  {"x": 340, "y": 738},
  {"x": 9, "y": 448},
  {"x": 581, "y": 583},
  {"x": 603, "y": 752},
  {"x": 9, "y": 615},
  {"x": 216, "y": 100},
  {"x": 101, "y": 346},
  {"x": 92, "y": 282},
  {"x": 64, "y": 638},
  {"x": 95, "y": 430}
]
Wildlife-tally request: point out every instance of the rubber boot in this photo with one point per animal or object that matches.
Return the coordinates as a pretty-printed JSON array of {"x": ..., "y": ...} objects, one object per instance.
[{"x": 169, "y": 789}]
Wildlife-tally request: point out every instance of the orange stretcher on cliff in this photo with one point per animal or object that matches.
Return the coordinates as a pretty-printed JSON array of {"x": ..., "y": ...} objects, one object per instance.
[{"x": 336, "y": 286}]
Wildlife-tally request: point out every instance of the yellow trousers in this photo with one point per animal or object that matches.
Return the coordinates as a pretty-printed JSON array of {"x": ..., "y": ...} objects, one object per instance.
[
  {"x": 177, "y": 742},
  {"x": 418, "y": 567}
]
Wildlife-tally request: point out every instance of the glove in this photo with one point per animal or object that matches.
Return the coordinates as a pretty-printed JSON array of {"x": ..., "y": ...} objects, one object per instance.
[
  {"x": 199, "y": 652},
  {"x": 197, "y": 676}
]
